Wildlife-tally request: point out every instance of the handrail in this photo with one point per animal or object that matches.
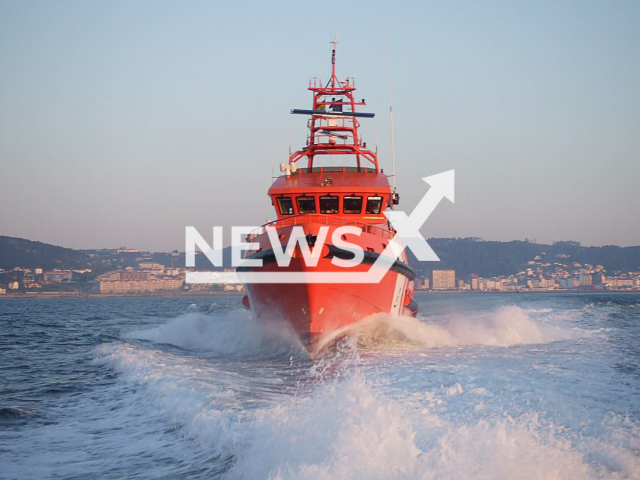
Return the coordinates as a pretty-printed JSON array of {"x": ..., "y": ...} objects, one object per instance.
[
  {"x": 342, "y": 169},
  {"x": 324, "y": 219}
]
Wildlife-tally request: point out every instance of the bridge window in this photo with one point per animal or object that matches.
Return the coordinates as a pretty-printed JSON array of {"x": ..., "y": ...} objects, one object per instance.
[
  {"x": 329, "y": 204},
  {"x": 285, "y": 205},
  {"x": 352, "y": 204},
  {"x": 306, "y": 204},
  {"x": 374, "y": 205}
]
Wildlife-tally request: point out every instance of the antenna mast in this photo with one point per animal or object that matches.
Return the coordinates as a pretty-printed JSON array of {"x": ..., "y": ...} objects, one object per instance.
[
  {"x": 333, "y": 126},
  {"x": 393, "y": 135},
  {"x": 334, "y": 79}
]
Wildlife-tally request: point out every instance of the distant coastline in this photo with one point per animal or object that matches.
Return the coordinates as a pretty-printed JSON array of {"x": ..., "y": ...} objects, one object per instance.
[
  {"x": 240, "y": 294},
  {"x": 467, "y": 265},
  {"x": 116, "y": 295}
]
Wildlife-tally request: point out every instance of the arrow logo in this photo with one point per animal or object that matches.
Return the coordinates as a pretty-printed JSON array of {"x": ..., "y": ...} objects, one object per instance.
[
  {"x": 407, "y": 235},
  {"x": 408, "y": 227}
]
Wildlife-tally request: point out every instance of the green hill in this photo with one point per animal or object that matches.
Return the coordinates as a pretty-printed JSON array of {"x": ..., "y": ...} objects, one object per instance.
[
  {"x": 492, "y": 259},
  {"x": 465, "y": 255},
  {"x": 18, "y": 252}
]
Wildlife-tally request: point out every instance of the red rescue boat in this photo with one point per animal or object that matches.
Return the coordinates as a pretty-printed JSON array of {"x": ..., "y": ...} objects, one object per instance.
[{"x": 320, "y": 197}]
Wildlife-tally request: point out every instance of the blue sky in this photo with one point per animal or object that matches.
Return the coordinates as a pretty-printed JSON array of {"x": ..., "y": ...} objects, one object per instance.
[{"x": 123, "y": 122}]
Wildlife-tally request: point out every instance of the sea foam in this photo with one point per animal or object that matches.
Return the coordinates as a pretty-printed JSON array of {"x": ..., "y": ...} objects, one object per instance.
[
  {"x": 347, "y": 427},
  {"x": 344, "y": 425},
  {"x": 505, "y": 327}
]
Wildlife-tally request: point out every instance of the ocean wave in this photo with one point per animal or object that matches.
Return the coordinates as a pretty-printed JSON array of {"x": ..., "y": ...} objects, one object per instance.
[
  {"x": 237, "y": 333},
  {"x": 505, "y": 327},
  {"x": 538, "y": 310},
  {"x": 16, "y": 412},
  {"x": 224, "y": 333},
  {"x": 348, "y": 428}
]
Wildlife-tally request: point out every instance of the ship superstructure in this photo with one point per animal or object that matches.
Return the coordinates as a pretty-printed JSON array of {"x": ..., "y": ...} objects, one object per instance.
[{"x": 314, "y": 196}]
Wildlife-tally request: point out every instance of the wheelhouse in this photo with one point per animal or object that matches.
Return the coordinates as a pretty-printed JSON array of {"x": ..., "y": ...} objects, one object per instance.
[
  {"x": 329, "y": 204},
  {"x": 357, "y": 193}
]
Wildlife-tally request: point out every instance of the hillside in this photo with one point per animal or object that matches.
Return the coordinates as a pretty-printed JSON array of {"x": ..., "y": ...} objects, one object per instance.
[
  {"x": 491, "y": 258},
  {"x": 465, "y": 255},
  {"x": 18, "y": 252}
]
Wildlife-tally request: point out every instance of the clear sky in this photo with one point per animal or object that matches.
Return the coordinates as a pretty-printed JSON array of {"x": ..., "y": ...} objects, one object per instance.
[{"x": 123, "y": 122}]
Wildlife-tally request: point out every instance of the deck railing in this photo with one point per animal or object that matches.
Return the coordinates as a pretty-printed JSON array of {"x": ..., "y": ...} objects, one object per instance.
[{"x": 323, "y": 219}]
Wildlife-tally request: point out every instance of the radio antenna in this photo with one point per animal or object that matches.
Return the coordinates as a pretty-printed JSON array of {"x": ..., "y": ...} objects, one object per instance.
[{"x": 393, "y": 136}]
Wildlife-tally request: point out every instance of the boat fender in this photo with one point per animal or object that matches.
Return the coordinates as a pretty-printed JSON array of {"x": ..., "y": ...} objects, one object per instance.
[{"x": 407, "y": 300}]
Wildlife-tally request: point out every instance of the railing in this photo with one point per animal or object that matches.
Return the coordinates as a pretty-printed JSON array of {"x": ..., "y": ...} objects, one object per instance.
[
  {"x": 336, "y": 170},
  {"x": 325, "y": 220}
]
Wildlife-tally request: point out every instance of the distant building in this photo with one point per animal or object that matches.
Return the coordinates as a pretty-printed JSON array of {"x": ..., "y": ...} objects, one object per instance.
[
  {"x": 233, "y": 287},
  {"x": 568, "y": 283},
  {"x": 585, "y": 279},
  {"x": 134, "y": 276},
  {"x": 542, "y": 283},
  {"x": 136, "y": 282},
  {"x": 547, "y": 283},
  {"x": 150, "y": 266},
  {"x": 127, "y": 250},
  {"x": 421, "y": 283},
  {"x": 617, "y": 282},
  {"x": 58, "y": 276},
  {"x": 444, "y": 279}
]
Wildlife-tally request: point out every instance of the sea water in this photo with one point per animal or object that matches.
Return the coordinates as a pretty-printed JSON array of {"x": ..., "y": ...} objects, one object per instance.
[{"x": 488, "y": 386}]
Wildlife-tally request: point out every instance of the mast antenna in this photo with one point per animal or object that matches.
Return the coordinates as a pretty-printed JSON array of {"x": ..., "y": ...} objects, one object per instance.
[
  {"x": 393, "y": 136},
  {"x": 334, "y": 78}
]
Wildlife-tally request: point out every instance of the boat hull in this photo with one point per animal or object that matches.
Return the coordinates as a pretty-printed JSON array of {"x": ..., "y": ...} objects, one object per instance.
[{"x": 314, "y": 310}]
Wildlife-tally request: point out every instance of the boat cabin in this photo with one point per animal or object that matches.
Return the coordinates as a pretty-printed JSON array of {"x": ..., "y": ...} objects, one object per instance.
[
  {"x": 356, "y": 193},
  {"x": 359, "y": 194}
]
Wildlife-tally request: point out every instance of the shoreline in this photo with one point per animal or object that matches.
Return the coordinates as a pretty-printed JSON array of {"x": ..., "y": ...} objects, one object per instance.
[
  {"x": 532, "y": 292},
  {"x": 119, "y": 295},
  {"x": 239, "y": 294}
]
